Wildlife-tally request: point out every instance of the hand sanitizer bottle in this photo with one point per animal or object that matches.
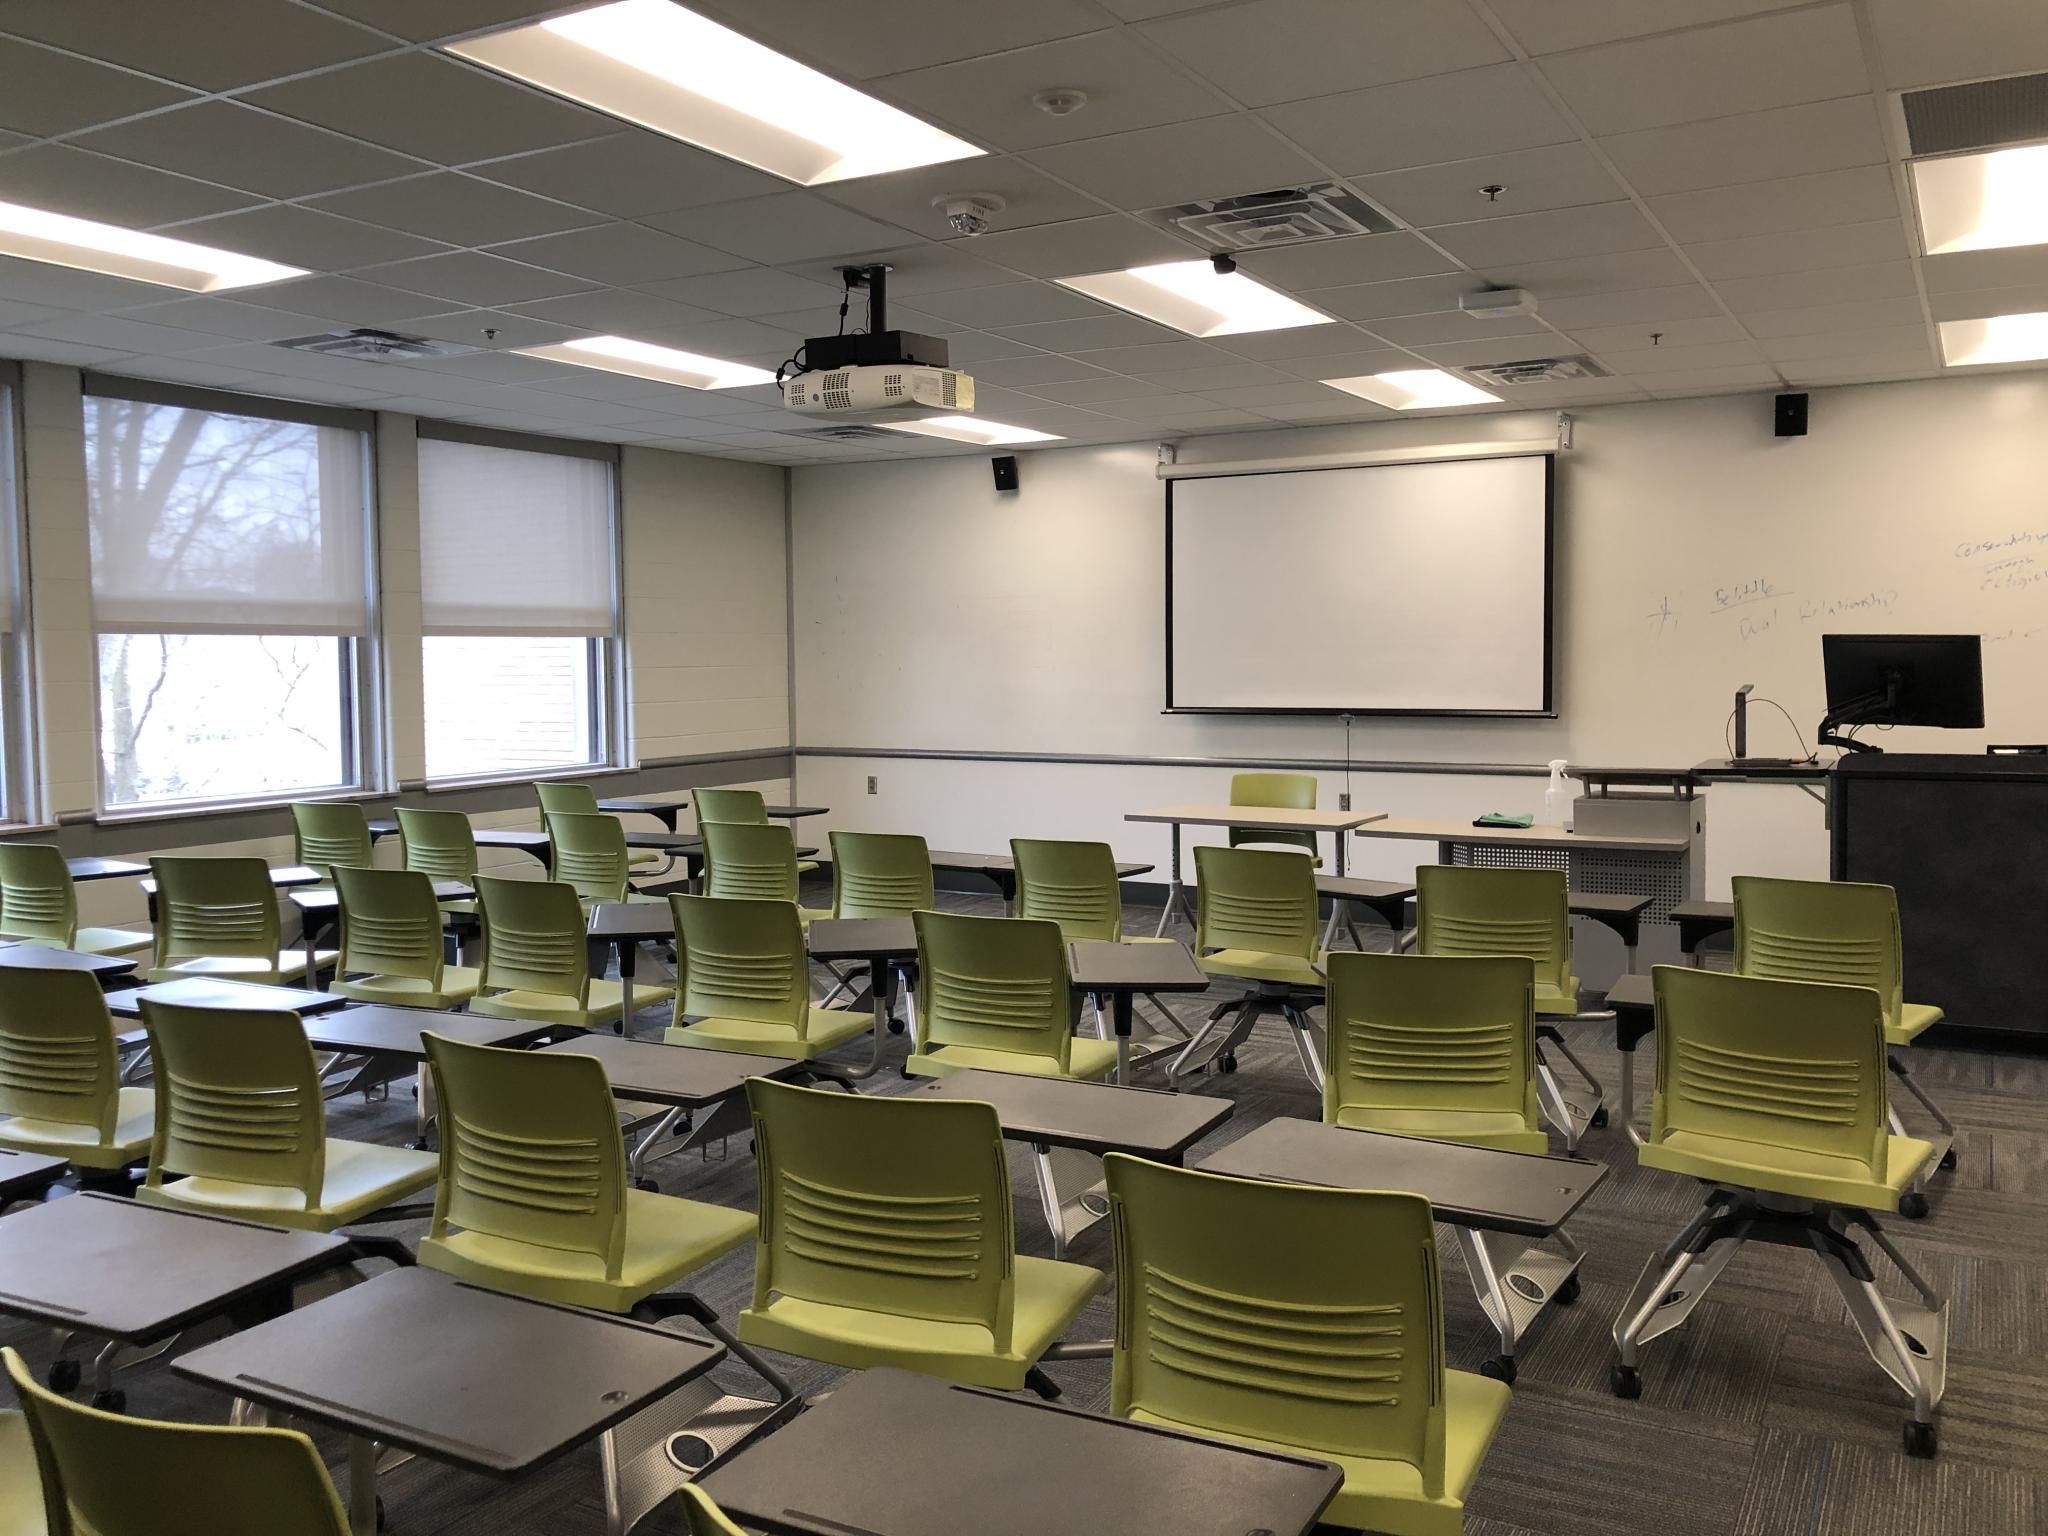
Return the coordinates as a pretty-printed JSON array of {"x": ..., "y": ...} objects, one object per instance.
[{"x": 1557, "y": 799}]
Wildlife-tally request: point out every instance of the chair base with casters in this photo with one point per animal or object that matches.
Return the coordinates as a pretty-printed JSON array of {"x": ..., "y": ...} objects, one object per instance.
[
  {"x": 1909, "y": 1342},
  {"x": 1916, "y": 1019},
  {"x": 1572, "y": 1115},
  {"x": 1514, "y": 1279},
  {"x": 1290, "y": 1002}
]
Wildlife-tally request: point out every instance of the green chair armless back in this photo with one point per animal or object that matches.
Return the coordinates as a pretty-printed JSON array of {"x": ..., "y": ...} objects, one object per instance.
[
  {"x": 880, "y": 874},
  {"x": 566, "y": 800},
  {"x": 438, "y": 844},
  {"x": 391, "y": 925},
  {"x": 1821, "y": 930},
  {"x": 222, "y": 908},
  {"x": 1257, "y": 899},
  {"x": 330, "y": 834},
  {"x": 590, "y": 854},
  {"x": 735, "y": 807},
  {"x": 1474, "y": 910},
  {"x": 749, "y": 859},
  {"x": 534, "y": 938},
  {"x": 58, "y": 1065},
  {"x": 701, "y": 1517},
  {"x": 112, "y": 1475},
  {"x": 741, "y": 958},
  {"x": 1070, "y": 883},
  {"x": 37, "y": 897},
  {"x": 1273, "y": 791},
  {"x": 884, "y": 1204},
  {"x": 994, "y": 984}
]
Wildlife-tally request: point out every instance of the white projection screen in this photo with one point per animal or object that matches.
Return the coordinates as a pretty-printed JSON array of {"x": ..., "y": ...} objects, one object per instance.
[{"x": 1397, "y": 589}]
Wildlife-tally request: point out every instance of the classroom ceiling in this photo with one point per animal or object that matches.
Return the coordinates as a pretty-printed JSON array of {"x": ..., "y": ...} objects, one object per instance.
[{"x": 1706, "y": 196}]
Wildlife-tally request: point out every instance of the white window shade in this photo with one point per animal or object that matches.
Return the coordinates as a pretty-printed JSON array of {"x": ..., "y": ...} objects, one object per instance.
[
  {"x": 204, "y": 522},
  {"x": 513, "y": 542}
]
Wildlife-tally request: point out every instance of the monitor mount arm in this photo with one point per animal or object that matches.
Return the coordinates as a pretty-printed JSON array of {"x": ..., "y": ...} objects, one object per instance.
[{"x": 1868, "y": 709}]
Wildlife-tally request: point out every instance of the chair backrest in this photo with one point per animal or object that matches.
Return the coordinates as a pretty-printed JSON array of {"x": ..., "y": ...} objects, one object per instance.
[
  {"x": 886, "y": 1204},
  {"x": 37, "y": 897},
  {"x": 742, "y": 958},
  {"x": 1790, "y": 1064},
  {"x": 590, "y": 854},
  {"x": 1255, "y": 898},
  {"x": 1821, "y": 930},
  {"x": 1316, "y": 1322},
  {"x": 330, "y": 834},
  {"x": 735, "y": 807},
  {"x": 880, "y": 874},
  {"x": 746, "y": 859},
  {"x": 112, "y": 1475},
  {"x": 701, "y": 1517},
  {"x": 535, "y": 937},
  {"x": 1474, "y": 910},
  {"x": 57, "y": 1056},
  {"x": 1414, "y": 1032},
  {"x": 1278, "y": 792},
  {"x": 530, "y": 1149},
  {"x": 237, "y": 1098},
  {"x": 558, "y": 799},
  {"x": 391, "y": 925},
  {"x": 994, "y": 983},
  {"x": 1069, "y": 883},
  {"x": 223, "y": 907},
  {"x": 438, "y": 844}
]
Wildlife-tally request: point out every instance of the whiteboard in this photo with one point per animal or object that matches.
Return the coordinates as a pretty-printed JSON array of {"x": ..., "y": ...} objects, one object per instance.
[{"x": 1389, "y": 589}]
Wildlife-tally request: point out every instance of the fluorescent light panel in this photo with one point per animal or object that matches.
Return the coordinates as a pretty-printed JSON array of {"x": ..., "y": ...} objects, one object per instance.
[
  {"x": 1414, "y": 389},
  {"x": 1192, "y": 296},
  {"x": 1998, "y": 339},
  {"x": 671, "y": 70},
  {"x": 1983, "y": 202},
  {"x": 972, "y": 429},
  {"x": 644, "y": 360},
  {"x": 36, "y": 234}
]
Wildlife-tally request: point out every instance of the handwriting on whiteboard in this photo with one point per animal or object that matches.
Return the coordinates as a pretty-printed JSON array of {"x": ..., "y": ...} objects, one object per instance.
[
  {"x": 2001, "y": 544},
  {"x": 1754, "y": 589},
  {"x": 2011, "y": 573},
  {"x": 1812, "y": 608}
]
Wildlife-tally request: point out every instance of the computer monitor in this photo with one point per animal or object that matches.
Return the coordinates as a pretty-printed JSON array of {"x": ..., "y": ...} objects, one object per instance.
[{"x": 1933, "y": 680}]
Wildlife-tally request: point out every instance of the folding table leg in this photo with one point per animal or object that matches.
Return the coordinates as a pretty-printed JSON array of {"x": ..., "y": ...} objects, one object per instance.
[
  {"x": 1067, "y": 1216},
  {"x": 362, "y": 1486}
]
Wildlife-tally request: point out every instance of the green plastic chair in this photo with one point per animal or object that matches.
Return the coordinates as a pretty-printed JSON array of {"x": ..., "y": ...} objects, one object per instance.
[
  {"x": 880, "y": 874},
  {"x": 886, "y": 1239},
  {"x": 1255, "y": 921},
  {"x": 21, "y": 1479},
  {"x": 1279, "y": 792},
  {"x": 536, "y": 958},
  {"x": 746, "y": 980},
  {"x": 557, "y": 799},
  {"x": 1073, "y": 884},
  {"x": 732, "y": 807},
  {"x": 217, "y": 917},
  {"x": 533, "y": 1196},
  {"x": 106, "y": 1474},
  {"x": 241, "y": 1126},
  {"x": 440, "y": 845},
  {"x": 39, "y": 904},
  {"x": 392, "y": 949},
  {"x": 995, "y": 994},
  {"x": 1315, "y": 1327},
  {"x": 330, "y": 834},
  {"x": 753, "y": 859},
  {"x": 1437, "y": 1046},
  {"x": 60, "y": 1076},
  {"x": 590, "y": 853},
  {"x": 1773, "y": 1094},
  {"x": 701, "y": 1517}
]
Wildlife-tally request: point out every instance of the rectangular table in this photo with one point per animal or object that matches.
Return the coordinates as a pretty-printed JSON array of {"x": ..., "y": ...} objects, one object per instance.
[
  {"x": 1123, "y": 971},
  {"x": 25, "y": 1175},
  {"x": 1258, "y": 818},
  {"x": 624, "y": 926},
  {"x": 1385, "y": 899},
  {"x": 961, "y": 1461},
  {"x": 1699, "y": 921},
  {"x": 1633, "y": 1001},
  {"x": 1000, "y": 870},
  {"x": 1500, "y": 1204},
  {"x": 109, "y": 969},
  {"x": 91, "y": 868},
  {"x": 887, "y": 946},
  {"x": 204, "y": 992},
  {"x": 372, "y": 1038},
  {"x": 663, "y": 808},
  {"x": 1091, "y": 1119},
  {"x": 478, "y": 1379}
]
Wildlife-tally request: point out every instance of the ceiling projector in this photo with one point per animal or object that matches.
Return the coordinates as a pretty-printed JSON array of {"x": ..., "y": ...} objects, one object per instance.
[{"x": 879, "y": 392}]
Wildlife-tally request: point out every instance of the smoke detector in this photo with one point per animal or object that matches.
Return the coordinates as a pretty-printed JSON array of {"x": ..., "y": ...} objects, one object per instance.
[
  {"x": 970, "y": 213},
  {"x": 369, "y": 346},
  {"x": 1061, "y": 101}
]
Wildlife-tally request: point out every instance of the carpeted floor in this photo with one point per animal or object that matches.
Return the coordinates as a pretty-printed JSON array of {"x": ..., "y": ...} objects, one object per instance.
[{"x": 1762, "y": 1417}]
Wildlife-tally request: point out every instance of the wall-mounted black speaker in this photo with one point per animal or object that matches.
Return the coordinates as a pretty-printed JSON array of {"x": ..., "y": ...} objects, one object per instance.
[
  {"x": 1791, "y": 416},
  {"x": 1006, "y": 471}
]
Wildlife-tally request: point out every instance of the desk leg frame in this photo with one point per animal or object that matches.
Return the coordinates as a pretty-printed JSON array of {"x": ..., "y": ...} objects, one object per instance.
[
  {"x": 1176, "y": 893},
  {"x": 1515, "y": 1278},
  {"x": 1068, "y": 1215}
]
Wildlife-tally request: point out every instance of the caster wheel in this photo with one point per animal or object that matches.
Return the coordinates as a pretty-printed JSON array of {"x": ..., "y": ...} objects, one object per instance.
[
  {"x": 64, "y": 1375},
  {"x": 1912, "y": 1205},
  {"x": 415, "y": 1091},
  {"x": 1599, "y": 1118},
  {"x": 895, "y": 1026},
  {"x": 1567, "y": 1293},
  {"x": 113, "y": 1400},
  {"x": 1920, "y": 1438},
  {"x": 1625, "y": 1381},
  {"x": 1948, "y": 1160},
  {"x": 1227, "y": 1062},
  {"x": 647, "y": 1186},
  {"x": 1500, "y": 1368}
]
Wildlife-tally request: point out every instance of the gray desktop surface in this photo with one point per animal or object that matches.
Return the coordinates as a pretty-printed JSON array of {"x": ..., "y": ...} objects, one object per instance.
[{"x": 1094, "y": 1117}]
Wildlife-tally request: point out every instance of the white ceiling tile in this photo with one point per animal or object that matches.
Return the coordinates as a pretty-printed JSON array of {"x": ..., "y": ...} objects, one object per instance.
[
  {"x": 1234, "y": 375},
  {"x": 1411, "y": 296},
  {"x": 1924, "y": 44},
  {"x": 47, "y": 349},
  {"x": 1011, "y": 304},
  {"x": 1575, "y": 275},
  {"x": 631, "y": 174},
  {"x": 50, "y": 92},
  {"x": 455, "y": 209},
  {"x": 1043, "y": 368},
  {"x": 1295, "y": 342},
  {"x": 1570, "y": 393},
  {"x": 1424, "y": 122},
  {"x": 906, "y": 198},
  {"x": 1634, "y": 336},
  {"x": 1433, "y": 330},
  {"x": 1833, "y": 285},
  {"x": 213, "y": 44},
  {"x": 1685, "y": 381},
  {"x": 1342, "y": 262},
  {"x": 256, "y": 151},
  {"x": 1496, "y": 349},
  {"x": 1751, "y": 146},
  {"x": 788, "y": 227},
  {"x": 1346, "y": 365},
  {"x": 970, "y": 347},
  {"x": 1154, "y": 167},
  {"x": 917, "y": 269},
  {"x": 473, "y": 278},
  {"x": 1110, "y": 242},
  {"x": 1560, "y": 233},
  {"x": 731, "y": 338},
  {"x": 193, "y": 370},
  {"x": 1978, "y": 303},
  {"x": 230, "y": 318},
  {"x": 1740, "y": 66},
  {"x": 122, "y": 333},
  {"x": 302, "y": 237},
  {"x": 750, "y": 291},
  {"x": 466, "y": 328},
  {"x": 1551, "y": 26},
  {"x": 1555, "y": 176},
  {"x": 1857, "y": 368},
  {"x": 1336, "y": 407},
  {"x": 1159, "y": 357},
  {"x": 1272, "y": 51},
  {"x": 1958, "y": 270},
  {"x": 1259, "y": 397},
  {"x": 15, "y": 316},
  {"x": 1901, "y": 338},
  {"x": 427, "y": 20},
  {"x": 351, "y": 302},
  {"x": 1870, "y": 314},
  {"x": 1856, "y": 196},
  {"x": 1839, "y": 245},
  {"x": 1098, "y": 387},
  {"x": 614, "y": 311},
  {"x": 1643, "y": 307},
  {"x": 1675, "y": 359},
  {"x": 860, "y": 39},
  {"x": 1173, "y": 411},
  {"x": 54, "y": 287},
  {"x": 1090, "y": 335},
  {"x": 89, "y": 186}
]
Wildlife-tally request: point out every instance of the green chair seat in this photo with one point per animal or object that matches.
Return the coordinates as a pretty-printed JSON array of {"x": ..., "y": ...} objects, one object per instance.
[
  {"x": 828, "y": 1029},
  {"x": 1387, "y": 1495},
  {"x": 1805, "y": 1175},
  {"x": 111, "y": 941},
  {"x": 605, "y": 1003},
  {"x": 1553, "y": 1001},
  {"x": 1260, "y": 965},
  {"x": 666, "y": 1239},
  {"x": 1500, "y": 1129},
  {"x": 459, "y": 984},
  {"x": 361, "y": 1177},
  {"x": 81, "y": 1144},
  {"x": 21, "y": 1482},
  {"x": 1088, "y": 1060},
  {"x": 290, "y": 966},
  {"x": 807, "y": 866},
  {"x": 1915, "y": 1019},
  {"x": 1049, "y": 1296}
]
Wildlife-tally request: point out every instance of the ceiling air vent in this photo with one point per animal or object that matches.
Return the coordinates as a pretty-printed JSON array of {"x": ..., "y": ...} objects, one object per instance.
[
  {"x": 374, "y": 346},
  {"x": 1539, "y": 370},
  {"x": 1258, "y": 221},
  {"x": 845, "y": 434},
  {"x": 1981, "y": 115}
]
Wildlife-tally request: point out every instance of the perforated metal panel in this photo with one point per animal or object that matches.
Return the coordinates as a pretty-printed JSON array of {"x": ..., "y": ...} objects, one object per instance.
[
  {"x": 1981, "y": 115},
  {"x": 1615, "y": 873}
]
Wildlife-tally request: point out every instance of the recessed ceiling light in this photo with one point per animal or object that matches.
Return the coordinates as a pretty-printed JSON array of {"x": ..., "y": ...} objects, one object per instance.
[
  {"x": 644, "y": 360},
  {"x": 972, "y": 429},
  {"x": 1193, "y": 296},
  {"x": 654, "y": 63},
  {"x": 36, "y": 234},
  {"x": 1414, "y": 389},
  {"x": 1996, "y": 339},
  {"x": 1983, "y": 202}
]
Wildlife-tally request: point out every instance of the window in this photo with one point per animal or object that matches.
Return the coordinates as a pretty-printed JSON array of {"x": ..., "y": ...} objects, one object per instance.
[
  {"x": 230, "y": 594},
  {"x": 518, "y": 572}
]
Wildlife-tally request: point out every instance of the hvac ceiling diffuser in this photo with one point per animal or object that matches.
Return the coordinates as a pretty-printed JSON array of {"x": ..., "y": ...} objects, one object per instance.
[{"x": 1258, "y": 221}]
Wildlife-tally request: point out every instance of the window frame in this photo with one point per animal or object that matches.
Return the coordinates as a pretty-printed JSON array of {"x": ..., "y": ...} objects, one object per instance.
[{"x": 20, "y": 797}]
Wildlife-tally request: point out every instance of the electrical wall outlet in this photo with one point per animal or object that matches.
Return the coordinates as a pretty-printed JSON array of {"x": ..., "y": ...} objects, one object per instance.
[
  {"x": 1344, "y": 801},
  {"x": 871, "y": 784}
]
